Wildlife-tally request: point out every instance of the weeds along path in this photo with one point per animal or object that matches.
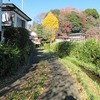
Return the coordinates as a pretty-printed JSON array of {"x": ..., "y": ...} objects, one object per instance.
[{"x": 60, "y": 85}]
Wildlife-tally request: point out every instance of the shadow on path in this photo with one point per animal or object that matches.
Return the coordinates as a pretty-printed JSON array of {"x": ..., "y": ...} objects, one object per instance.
[
  {"x": 14, "y": 82},
  {"x": 60, "y": 86}
]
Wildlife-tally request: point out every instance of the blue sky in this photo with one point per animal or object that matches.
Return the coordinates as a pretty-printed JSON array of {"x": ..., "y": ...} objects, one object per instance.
[{"x": 33, "y": 7}]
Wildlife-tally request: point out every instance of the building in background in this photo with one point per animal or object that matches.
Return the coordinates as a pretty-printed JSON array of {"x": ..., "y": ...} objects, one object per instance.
[
  {"x": 12, "y": 16},
  {"x": 35, "y": 39},
  {"x": 76, "y": 36}
]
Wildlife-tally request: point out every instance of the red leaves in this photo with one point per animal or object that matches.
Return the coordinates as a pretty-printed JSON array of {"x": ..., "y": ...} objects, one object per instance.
[
  {"x": 93, "y": 33},
  {"x": 65, "y": 25},
  {"x": 66, "y": 28},
  {"x": 68, "y": 10}
]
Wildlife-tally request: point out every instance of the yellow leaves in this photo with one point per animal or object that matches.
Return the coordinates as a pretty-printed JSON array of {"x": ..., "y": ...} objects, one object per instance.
[{"x": 51, "y": 23}]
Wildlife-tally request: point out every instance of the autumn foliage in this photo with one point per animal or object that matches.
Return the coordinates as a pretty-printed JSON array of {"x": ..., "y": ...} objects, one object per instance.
[
  {"x": 93, "y": 33},
  {"x": 69, "y": 20},
  {"x": 51, "y": 22},
  {"x": 65, "y": 24},
  {"x": 68, "y": 10}
]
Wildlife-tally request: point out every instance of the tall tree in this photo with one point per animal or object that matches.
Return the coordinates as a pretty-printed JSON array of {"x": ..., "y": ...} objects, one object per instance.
[
  {"x": 51, "y": 23},
  {"x": 56, "y": 12},
  {"x": 39, "y": 30},
  {"x": 82, "y": 17},
  {"x": 92, "y": 12},
  {"x": 75, "y": 22},
  {"x": 64, "y": 24}
]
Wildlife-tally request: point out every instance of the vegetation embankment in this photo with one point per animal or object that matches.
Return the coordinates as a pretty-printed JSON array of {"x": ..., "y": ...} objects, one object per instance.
[
  {"x": 78, "y": 56},
  {"x": 15, "y": 52},
  {"x": 87, "y": 52},
  {"x": 86, "y": 80}
]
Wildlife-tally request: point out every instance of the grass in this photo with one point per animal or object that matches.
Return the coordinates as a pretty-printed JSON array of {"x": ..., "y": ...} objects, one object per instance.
[
  {"x": 88, "y": 85},
  {"x": 91, "y": 89},
  {"x": 33, "y": 85},
  {"x": 88, "y": 66}
]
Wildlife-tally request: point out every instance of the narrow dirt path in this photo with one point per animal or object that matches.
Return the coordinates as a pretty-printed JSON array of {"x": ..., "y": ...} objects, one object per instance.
[{"x": 60, "y": 87}]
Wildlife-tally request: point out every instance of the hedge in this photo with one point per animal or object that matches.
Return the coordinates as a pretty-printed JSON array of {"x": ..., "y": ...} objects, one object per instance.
[{"x": 15, "y": 52}]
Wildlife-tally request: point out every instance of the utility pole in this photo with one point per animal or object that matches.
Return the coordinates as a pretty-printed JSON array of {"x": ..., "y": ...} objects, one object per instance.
[
  {"x": 22, "y": 5},
  {"x": 0, "y": 18}
]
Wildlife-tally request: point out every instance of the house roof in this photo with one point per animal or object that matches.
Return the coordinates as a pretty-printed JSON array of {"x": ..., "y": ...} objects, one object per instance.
[
  {"x": 64, "y": 37},
  {"x": 75, "y": 34},
  {"x": 12, "y": 7}
]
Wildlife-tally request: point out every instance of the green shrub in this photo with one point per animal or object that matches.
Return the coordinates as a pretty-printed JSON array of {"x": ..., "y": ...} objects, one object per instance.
[
  {"x": 11, "y": 35},
  {"x": 91, "y": 52},
  {"x": 9, "y": 59},
  {"x": 75, "y": 51},
  {"x": 88, "y": 51},
  {"x": 53, "y": 47},
  {"x": 16, "y": 50},
  {"x": 16, "y": 36},
  {"x": 46, "y": 46},
  {"x": 63, "y": 48}
]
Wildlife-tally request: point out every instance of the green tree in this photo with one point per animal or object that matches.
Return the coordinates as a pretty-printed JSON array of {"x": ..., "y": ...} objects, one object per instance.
[
  {"x": 46, "y": 36},
  {"x": 64, "y": 24},
  {"x": 51, "y": 23},
  {"x": 43, "y": 33},
  {"x": 92, "y": 12},
  {"x": 56, "y": 12},
  {"x": 39, "y": 30},
  {"x": 75, "y": 21},
  {"x": 98, "y": 22}
]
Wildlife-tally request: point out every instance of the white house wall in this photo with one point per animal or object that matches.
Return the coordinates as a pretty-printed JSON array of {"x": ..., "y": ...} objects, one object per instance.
[
  {"x": 18, "y": 22},
  {"x": 17, "y": 19}
]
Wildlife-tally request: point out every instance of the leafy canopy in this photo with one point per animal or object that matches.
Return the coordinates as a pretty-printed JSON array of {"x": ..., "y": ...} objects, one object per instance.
[
  {"x": 75, "y": 21},
  {"x": 92, "y": 12},
  {"x": 51, "y": 23}
]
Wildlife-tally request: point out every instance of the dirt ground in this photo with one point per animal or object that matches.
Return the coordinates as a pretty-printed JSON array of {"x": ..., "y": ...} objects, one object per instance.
[{"x": 60, "y": 86}]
